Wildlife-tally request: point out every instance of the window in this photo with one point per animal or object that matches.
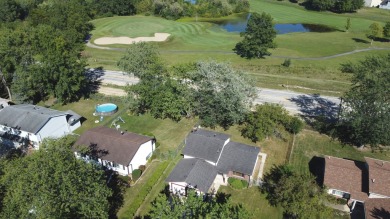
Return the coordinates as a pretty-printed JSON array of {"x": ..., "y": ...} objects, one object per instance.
[
  {"x": 150, "y": 154},
  {"x": 238, "y": 174},
  {"x": 115, "y": 165}
]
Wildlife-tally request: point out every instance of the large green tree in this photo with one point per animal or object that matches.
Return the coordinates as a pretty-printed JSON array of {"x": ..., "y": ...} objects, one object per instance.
[
  {"x": 52, "y": 183},
  {"x": 194, "y": 206},
  {"x": 375, "y": 31},
  {"x": 366, "y": 106},
  {"x": 258, "y": 37},
  {"x": 386, "y": 29},
  {"x": 298, "y": 194},
  {"x": 267, "y": 118},
  {"x": 222, "y": 95}
]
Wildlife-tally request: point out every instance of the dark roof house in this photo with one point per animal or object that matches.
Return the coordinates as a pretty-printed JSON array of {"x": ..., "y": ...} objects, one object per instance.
[
  {"x": 113, "y": 145},
  {"x": 195, "y": 172},
  {"x": 379, "y": 176},
  {"x": 205, "y": 145}
]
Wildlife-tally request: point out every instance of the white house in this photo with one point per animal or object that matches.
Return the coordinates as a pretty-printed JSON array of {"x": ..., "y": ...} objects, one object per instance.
[
  {"x": 120, "y": 151},
  {"x": 28, "y": 125},
  {"x": 210, "y": 158},
  {"x": 372, "y": 3}
]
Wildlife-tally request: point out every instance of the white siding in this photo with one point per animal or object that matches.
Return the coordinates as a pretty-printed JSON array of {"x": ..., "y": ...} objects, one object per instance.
[
  {"x": 179, "y": 188},
  {"x": 74, "y": 126},
  {"x": 374, "y": 195},
  {"x": 141, "y": 156},
  {"x": 56, "y": 127},
  {"x": 33, "y": 138}
]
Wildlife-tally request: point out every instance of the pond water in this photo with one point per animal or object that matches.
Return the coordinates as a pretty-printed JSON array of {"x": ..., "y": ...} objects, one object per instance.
[{"x": 239, "y": 25}]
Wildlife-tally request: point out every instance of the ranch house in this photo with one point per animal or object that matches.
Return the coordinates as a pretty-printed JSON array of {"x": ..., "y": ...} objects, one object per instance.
[{"x": 117, "y": 150}]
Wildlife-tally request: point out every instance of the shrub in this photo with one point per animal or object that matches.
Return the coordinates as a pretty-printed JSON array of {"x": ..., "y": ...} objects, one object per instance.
[
  {"x": 237, "y": 183},
  {"x": 142, "y": 168},
  {"x": 286, "y": 63},
  {"x": 136, "y": 174},
  {"x": 295, "y": 125}
]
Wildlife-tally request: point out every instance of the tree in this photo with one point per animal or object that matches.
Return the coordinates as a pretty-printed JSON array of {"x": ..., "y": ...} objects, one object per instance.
[
  {"x": 266, "y": 118},
  {"x": 386, "y": 30},
  {"x": 375, "y": 31},
  {"x": 348, "y": 24},
  {"x": 319, "y": 5},
  {"x": 194, "y": 206},
  {"x": 10, "y": 11},
  {"x": 142, "y": 60},
  {"x": 258, "y": 37},
  {"x": 52, "y": 183},
  {"x": 365, "y": 113},
  {"x": 222, "y": 95},
  {"x": 298, "y": 194}
]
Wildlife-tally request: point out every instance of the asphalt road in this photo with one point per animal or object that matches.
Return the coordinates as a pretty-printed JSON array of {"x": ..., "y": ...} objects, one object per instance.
[{"x": 294, "y": 102}]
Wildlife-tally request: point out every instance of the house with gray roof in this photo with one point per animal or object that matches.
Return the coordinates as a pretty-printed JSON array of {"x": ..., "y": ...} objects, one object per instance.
[
  {"x": 210, "y": 158},
  {"x": 28, "y": 125}
]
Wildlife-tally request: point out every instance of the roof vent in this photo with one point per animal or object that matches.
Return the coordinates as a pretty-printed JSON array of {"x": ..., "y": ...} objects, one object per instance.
[
  {"x": 373, "y": 180},
  {"x": 122, "y": 132}
]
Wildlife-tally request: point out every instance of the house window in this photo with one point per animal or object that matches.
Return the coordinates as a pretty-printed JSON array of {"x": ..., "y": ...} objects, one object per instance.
[
  {"x": 115, "y": 165},
  {"x": 238, "y": 174},
  {"x": 150, "y": 154}
]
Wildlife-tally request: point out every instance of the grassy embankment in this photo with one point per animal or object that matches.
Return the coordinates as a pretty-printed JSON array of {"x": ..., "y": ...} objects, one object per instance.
[{"x": 192, "y": 41}]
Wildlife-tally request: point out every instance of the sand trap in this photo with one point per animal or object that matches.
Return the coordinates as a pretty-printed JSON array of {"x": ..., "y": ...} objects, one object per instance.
[{"x": 158, "y": 37}]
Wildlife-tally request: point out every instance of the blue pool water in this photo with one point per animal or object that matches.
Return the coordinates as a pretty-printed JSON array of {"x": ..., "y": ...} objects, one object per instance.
[{"x": 106, "y": 108}]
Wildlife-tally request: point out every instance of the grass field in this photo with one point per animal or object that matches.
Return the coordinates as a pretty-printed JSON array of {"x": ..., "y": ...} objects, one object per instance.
[
  {"x": 309, "y": 144},
  {"x": 193, "y": 40}
]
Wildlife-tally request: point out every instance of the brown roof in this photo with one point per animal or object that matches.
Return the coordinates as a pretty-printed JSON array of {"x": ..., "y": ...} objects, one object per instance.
[
  {"x": 377, "y": 208},
  {"x": 346, "y": 175},
  {"x": 112, "y": 145},
  {"x": 379, "y": 176}
]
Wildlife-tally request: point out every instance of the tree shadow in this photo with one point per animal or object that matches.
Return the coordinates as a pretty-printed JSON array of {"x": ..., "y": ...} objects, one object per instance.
[
  {"x": 94, "y": 80},
  {"x": 118, "y": 187},
  {"x": 379, "y": 213},
  {"x": 222, "y": 198},
  {"x": 313, "y": 106},
  {"x": 360, "y": 40}
]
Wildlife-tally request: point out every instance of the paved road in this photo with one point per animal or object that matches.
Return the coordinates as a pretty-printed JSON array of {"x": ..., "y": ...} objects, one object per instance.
[{"x": 294, "y": 102}]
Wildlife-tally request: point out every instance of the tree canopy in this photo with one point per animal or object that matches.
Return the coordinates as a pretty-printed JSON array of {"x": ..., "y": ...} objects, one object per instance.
[
  {"x": 52, "y": 183},
  {"x": 386, "y": 29},
  {"x": 339, "y": 6},
  {"x": 194, "y": 206},
  {"x": 366, "y": 106},
  {"x": 258, "y": 37},
  {"x": 375, "y": 31},
  {"x": 266, "y": 119},
  {"x": 298, "y": 194}
]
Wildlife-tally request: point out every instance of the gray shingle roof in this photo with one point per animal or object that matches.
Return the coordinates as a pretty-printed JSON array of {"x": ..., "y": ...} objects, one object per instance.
[
  {"x": 26, "y": 117},
  {"x": 197, "y": 173},
  {"x": 73, "y": 117},
  {"x": 112, "y": 145},
  {"x": 238, "y": 157},
  {"x": 205, "y": 144}
]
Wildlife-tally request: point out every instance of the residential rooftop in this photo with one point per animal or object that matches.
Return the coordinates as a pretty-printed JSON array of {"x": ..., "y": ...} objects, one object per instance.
[{"x": 379, "y": 176}]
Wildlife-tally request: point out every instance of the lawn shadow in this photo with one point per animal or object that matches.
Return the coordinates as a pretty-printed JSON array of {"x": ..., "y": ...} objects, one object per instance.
[
  {"x": 117, "y": 186},
  {"x": 360, "y": 40}
]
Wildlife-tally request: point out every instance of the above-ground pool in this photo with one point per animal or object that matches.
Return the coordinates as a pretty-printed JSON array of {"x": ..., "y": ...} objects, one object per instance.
[{"x": 106, "y": 109}]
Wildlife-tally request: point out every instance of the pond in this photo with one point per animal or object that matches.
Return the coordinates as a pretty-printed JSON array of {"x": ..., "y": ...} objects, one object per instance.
[{"x": 239, "y": 25}]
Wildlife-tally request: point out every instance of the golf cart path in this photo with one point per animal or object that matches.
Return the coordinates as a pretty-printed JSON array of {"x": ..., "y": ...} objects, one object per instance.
[{"x": 91, "y": 45}]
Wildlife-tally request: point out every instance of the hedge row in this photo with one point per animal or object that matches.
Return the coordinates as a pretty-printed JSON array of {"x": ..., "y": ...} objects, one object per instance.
[{"x": 145, "y": 189}]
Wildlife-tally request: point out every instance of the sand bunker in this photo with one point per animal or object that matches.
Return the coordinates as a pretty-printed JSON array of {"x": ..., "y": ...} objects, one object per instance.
[{"x": 158, "y": 37}]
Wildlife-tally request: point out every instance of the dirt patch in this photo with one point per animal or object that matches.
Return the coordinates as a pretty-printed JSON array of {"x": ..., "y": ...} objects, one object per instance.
[
  {"x": 158, "y": 37},
  {"x": 109, "y": 91}
]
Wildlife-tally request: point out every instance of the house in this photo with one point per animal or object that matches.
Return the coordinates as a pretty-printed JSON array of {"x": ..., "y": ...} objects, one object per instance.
[
  {"x": 210, "y": 158},
  {"x": 28, "y": 125},
  {"x": 4, "y": 103},
  {"x": 364, "y": 182},
  {"x": 372, "y": 3},
  {"x": 120, "y": 151}
]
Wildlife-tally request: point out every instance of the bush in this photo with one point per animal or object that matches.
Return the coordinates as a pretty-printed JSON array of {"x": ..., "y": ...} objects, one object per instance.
[
  {"x": 286, "y": 63},
  {"x": 237, "y": 183},
  {"x": 295, "y": 125},
  {"x": 136, "y": 174},
  {"x": 142, "y": 168}
]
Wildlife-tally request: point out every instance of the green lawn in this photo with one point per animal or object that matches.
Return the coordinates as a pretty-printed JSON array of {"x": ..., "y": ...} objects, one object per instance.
[
  {"x": 193, "y": 40},
  {"x": 309, "y": 144}
]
